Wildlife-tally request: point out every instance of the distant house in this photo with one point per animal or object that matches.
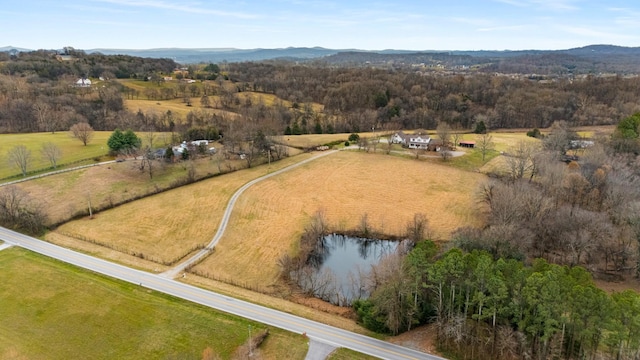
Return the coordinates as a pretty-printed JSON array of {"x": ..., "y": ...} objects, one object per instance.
[
  {"x": 418, "y": 141},
  {"x": 412, "y": 141},
  {"x": 399, "y": 138},
  {"x": 467, "y": 144},
  {"x": 65, "y": 57},
  {"x": 167, "y": 78},
  {"x": 580, "y": 144},
  {"x": 199, "y": 142},
  {"x": 82, "y": 82}
]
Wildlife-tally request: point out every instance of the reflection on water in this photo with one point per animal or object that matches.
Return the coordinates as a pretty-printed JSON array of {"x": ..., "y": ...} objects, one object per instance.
[{"x": 338, "y": 266}]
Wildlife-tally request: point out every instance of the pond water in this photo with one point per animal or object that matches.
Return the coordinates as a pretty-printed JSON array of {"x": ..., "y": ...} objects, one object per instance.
[{"x": 339, "y": 264}]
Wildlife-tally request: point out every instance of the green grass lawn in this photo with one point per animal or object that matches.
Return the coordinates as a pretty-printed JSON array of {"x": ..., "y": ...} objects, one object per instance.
[
  {"x": 74, "y": 153},
  {"x": 51, "y": 310},
  {"x": 472, "y": 160},
  {"x": 72, "y": 149}
]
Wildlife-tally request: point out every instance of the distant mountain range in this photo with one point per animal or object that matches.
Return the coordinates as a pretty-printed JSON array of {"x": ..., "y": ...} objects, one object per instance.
[{"x": 593, "y": 58}]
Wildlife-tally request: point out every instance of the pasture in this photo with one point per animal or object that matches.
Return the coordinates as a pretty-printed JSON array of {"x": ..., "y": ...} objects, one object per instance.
[
  {"x": 74, "y": 153},
  {"x": 163, "y": 227},
  {"x": 270, "y": 216},
  {"x": 51, "y": 310},
  {"x": 176, "y": 106},
  {"x": 310, "y": 140}
]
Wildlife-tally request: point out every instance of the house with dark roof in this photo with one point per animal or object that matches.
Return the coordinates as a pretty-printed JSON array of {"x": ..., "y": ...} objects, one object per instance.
[{"x": 418, "y": 141}]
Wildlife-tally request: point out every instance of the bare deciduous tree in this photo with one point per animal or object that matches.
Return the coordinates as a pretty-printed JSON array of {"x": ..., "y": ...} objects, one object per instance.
[
  {"x": 417, "y": 228},
  {"x": 444, "y": 133},
  {"x": 485, "y": 144},
  {"x": 20, "y": 157},
  {"x": 83, "y": 132},
  {"x": 520, "y": 160},
  {"x": 43, "y": 112},
  {"x": 52, "y": 153},
  {"x": 19, "y": 211}
]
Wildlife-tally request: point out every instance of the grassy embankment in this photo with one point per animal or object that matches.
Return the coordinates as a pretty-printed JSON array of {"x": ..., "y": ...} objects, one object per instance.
[
  {"x": 56, "y": 311},
  {"x": 74, "y": 153}
]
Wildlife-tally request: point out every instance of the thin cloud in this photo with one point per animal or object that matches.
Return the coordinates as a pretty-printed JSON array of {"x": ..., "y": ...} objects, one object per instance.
[
  {"x": 549, "y": 5},
  {"x": 100, "y": 9},
  {"x": 157, "y": 4}
]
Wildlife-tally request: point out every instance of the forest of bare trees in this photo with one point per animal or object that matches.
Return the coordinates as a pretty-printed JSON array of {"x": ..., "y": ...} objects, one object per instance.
[{"x": 35, "y": 86}]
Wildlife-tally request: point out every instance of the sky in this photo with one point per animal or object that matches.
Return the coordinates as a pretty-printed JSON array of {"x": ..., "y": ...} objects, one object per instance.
[{"x": 335, "y": 24}]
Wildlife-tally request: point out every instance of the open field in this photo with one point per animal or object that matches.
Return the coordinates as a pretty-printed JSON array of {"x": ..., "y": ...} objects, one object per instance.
[
  {"x": 66, "y": 194},
  {"x": 270, "y": 216},
  {"x": 51, "y": 310},
  {"x": 309, "y": 140},
  {"x": 72, "y": 150},
  {"x": 176, "y": 106},
  {"x": 504, "y": 141},
  {"x": 169, "y": 225}
]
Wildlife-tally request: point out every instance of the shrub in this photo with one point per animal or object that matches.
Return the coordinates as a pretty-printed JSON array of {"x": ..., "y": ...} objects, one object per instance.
[
  {"x": 535, "y": 133},
  {"x": 346, "y": 143},
  {"x": 481, "y": 128},
  {"x": 354, "y": 137}
]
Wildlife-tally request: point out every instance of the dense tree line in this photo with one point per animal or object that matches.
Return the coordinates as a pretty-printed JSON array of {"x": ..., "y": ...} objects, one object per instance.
[
  {"x": 357, "y": 99},
  {"x": 353, "y": 99},
  {"x": 28, "y": 104},
  {"x": 487, "y": 308},
  {"x": 584, "y": 213},
  {"x": 46, "y": 64}
]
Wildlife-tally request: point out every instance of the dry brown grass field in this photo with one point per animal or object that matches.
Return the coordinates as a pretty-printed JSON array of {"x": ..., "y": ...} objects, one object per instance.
[
  {"x": 503, "y": 142},
  {"x": 309, "y": 140},
  {"x": 176, "y": 106},
  {"x": 270, "y": 216},
  {"x": 166, "y": 226},
  {"x": 65, "y": 194}
]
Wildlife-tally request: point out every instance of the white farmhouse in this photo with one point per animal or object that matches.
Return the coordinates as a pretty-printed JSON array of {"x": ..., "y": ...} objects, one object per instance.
[
  {"x": 418, "y": 141},
  {"x": 82, "y": 82}
]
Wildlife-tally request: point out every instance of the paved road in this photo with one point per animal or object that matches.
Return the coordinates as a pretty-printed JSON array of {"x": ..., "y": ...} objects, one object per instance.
[
  {"x": 314, "y": 330},
  {"x": 173, "y": 272}
]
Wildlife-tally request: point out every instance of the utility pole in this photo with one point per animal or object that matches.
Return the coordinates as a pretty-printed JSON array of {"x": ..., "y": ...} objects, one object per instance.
[
  {"x": 89, "y": 201},
  {"x": 250, "y": 341}
]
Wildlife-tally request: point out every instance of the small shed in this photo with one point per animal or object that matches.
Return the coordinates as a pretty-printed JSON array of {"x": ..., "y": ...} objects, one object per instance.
[{"x": 467, "y": 144}]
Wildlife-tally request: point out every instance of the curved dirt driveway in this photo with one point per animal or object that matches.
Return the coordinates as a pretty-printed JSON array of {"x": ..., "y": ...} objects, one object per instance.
[{"x": 171, "y": 273}]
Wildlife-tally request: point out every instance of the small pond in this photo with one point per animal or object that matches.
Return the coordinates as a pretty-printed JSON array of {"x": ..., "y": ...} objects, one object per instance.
[{"x": 338, "y": 265}]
